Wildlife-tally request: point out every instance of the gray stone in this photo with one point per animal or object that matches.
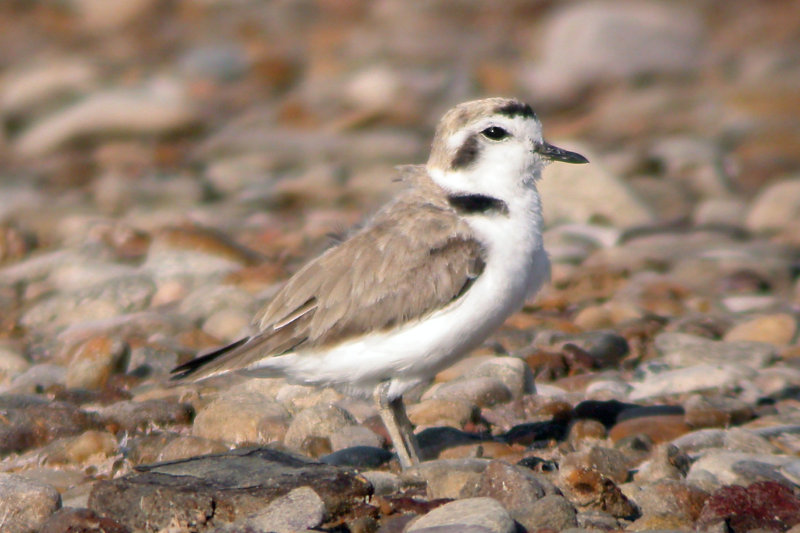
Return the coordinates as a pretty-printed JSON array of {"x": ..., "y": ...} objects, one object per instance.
[
  {"x": 481, "y": 391},
  {"x": 350, "y": 436},
  {"x": 550, "y": 512},
  {"x": 25, "y": 504},
  {"x": 702, "y": 377},
  {"x": 581, "y": 44},
  {"x": 513, "y": 372},
  {"x": 482, "y": 512},
  {"x": 138, "y": 416},
  {"x": 223, "y": 488},
  {"x": 239, "y": 417},
  {"x": 102, "y": 301},
  {"x": 383, "y": 483},
  {"x": 318, "y": 421},
  {"x": 446, "y": 478},
  {"x": 681, "y": 349},
  {"x": 298, "y": 510},
  {"x": 30, "y": 421},
  {"x": 157, "y": 109},
  {"x": 36, "y": 377}
]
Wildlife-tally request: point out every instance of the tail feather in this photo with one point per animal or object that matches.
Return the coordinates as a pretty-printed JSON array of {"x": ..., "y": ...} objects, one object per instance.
[{"x": 190, "y": 367}]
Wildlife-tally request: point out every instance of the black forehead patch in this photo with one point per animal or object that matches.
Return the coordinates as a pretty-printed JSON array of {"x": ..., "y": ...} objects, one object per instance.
[
  {"x": 467, "y": 153},
  {"x": 512, "y": 109}
]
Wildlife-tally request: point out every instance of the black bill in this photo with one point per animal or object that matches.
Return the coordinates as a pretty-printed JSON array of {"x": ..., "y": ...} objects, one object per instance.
[{"x": 554, "y": 153}]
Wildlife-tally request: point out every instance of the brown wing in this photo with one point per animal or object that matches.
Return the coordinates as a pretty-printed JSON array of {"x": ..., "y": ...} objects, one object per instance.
[{"x": 411, "y": 260}]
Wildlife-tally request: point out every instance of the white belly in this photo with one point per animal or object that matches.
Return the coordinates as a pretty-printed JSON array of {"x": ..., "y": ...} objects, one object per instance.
[{"x": 415, "y": 352}]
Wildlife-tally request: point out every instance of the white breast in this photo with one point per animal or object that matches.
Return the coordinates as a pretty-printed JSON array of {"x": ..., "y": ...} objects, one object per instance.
[{"x": 516, "y": 266}]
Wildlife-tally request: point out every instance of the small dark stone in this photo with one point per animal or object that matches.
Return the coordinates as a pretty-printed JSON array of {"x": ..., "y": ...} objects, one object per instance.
[
  {"x": 604, "y": 412},
  {"x": 358, "y": 457},
  {"x": 433, "y": 440},
  {"x": 532, "y": 432}
]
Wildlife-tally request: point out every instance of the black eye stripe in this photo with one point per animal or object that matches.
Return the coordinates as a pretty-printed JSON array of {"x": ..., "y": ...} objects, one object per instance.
[{"x": 495, "y": 133}]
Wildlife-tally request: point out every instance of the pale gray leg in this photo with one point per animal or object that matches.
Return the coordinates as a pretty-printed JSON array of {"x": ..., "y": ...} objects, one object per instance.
[{"x": 393, "y": 414}]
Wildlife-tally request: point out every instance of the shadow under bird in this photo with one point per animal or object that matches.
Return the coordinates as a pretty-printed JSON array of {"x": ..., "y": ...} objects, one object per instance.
[{"x": 431, "y": 275}]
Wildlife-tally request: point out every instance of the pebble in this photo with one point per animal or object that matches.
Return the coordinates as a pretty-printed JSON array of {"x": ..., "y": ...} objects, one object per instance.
[
  {"x": 27, "y": 504},
  {"x": 94, "y": 361},
  {"x": 479, "y": 391},
  {"x": 160, "y": 108},
  {"x": 237, "y": 418},
  {"x": 319, "y": 421},
  {"x": 229, "y": 487},
  {"x": 551, "y": 512},
  {"x": 779, "y": 329},
  {"x": 762, "y": 505},
  {"x": 300, "y": 509},
  {"x": 682, "y": 350},
  {"x": 694, "y": 378},
  {"x": 446, "y": 478},
  {"x": 775, "y": 206},
  {"x": 666, "y": 40},
  {"x": 485, "y": 513},
  {"x": 146, "y": 217}
]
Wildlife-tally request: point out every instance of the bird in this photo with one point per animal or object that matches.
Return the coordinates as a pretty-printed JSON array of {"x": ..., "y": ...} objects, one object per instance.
[{"x": 427, "y": 279}]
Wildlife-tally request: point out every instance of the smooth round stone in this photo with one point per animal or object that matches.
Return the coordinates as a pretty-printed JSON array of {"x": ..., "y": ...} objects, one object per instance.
[
  {"x": 513, "y": 372},
  {"x": 299, "y": 510},
  {"x": 720, "y": 212},
  {"x": 440, "y": 412},
  {"x": 358, "y": 457},
  {"x": 446, "y": 478},
  {"x": 482, "y": 512},
  {"x": 228, "y": 324},
  {"x": 93, "y": 362},
  {"x": 552, "y": 512},
  {"x": 657, "y": 428},
  {"x": 582, "y": 431},
  {"x": 383, "y": 483},
  {"x": 12, "y": 364},
  {"x": 206, "y": 300},
  {"x": 779, "y": 329},
  {"x": 189, "y": 446},
  {"x": 721, "y": 465},
  {"x": 765, "y": 505},
  {"x": 604, "y": 390},
  {"x": 90, "y": 444},
  {"x": 700, "y": 440},
  {"x": 350, "y": 436},
  {"x": 607, "y": 462},
  {"x": 703, "y": 412},
  {"x": 775, "y": 206},
  {"x": 319, "y": 421},
  {"x": 27, "y": 503},
  {"x": 594, "y": 317},
  {"x": 482, "y": 391},
  {"x": 681, "y": 349},
  {"x": 695, "y": 378},
  {"x": 515, "y": 487},
  {"x": 666, "y": 462},
  {"x": 240, "y": 418}
]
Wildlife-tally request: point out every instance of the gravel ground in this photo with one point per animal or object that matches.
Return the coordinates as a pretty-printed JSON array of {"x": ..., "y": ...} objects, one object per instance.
[{"x": 166, "y": 164}]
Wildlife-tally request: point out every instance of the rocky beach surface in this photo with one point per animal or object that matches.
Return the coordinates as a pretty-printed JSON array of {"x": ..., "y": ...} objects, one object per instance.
[{"x": 166, "y": 164}]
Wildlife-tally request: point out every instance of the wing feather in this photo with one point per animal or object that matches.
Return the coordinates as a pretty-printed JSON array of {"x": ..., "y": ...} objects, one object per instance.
[{"x": 415, "y": 257}]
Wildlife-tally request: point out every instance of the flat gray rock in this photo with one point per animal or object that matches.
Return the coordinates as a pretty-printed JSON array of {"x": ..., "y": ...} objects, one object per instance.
[
  {"x": 471, "y": 512},
  {"x": 214, "y": 490}
]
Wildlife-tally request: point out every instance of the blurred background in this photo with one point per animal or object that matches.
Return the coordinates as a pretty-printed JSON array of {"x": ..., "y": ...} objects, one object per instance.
[{"x": 253, "y": 129}]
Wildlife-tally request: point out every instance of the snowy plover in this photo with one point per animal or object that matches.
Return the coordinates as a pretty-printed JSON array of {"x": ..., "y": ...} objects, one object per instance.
[{"x": 432, "y": 274}]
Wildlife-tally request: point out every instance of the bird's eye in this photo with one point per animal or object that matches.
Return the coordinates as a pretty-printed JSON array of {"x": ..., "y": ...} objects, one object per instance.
[{"x": 495, "y": 133}]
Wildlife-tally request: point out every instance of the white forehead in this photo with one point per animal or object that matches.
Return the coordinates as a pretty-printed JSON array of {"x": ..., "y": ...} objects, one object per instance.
[{"x": 521, "y": 127}]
